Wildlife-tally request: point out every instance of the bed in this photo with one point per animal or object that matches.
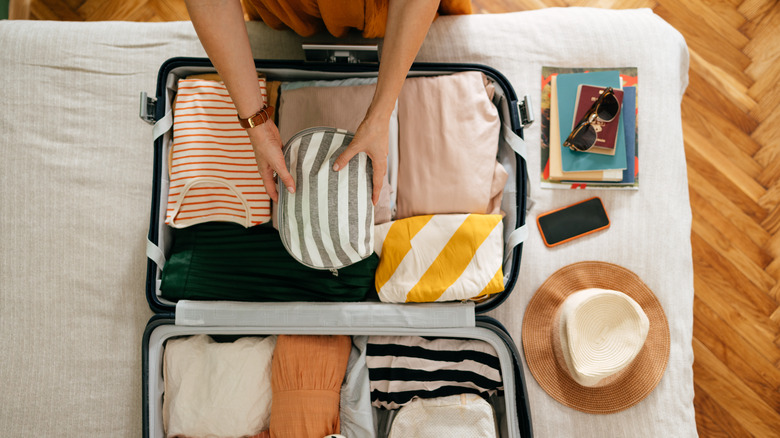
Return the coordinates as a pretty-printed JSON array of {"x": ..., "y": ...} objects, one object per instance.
[{"x": 76, "y": 174}]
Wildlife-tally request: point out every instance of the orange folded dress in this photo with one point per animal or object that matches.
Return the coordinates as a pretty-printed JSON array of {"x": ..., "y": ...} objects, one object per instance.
[
  {"x": 307, "y": 17},
  {"x": 306, "y": 377}
]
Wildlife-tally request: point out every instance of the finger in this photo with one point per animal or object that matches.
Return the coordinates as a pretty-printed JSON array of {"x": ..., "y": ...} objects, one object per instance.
[
  {"x": 283, "y": 174},
  {"x": 343, "y": 159},
  {"x": 267, "y": 174},
  {"x": 379, "y": 169}
]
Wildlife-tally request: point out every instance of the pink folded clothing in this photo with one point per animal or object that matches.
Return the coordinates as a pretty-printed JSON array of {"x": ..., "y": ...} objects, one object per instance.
[{"x": 448, "y": 141}]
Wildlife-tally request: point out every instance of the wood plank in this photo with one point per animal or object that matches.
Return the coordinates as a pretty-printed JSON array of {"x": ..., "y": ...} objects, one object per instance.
[
  {"x": 738, "y": 219},
  {"x": 754, "y": 273},
  {"x": 41, "y": 11},
  {"x": 714, "y": 17},
  {"x": 728, "y": 390},
  {"x": 710, "y": 95},
  {"x": 57, "y": 9},
  {"x": 710, "y": 128},
  {"x": 721, "y": 287},
  {"x": 102, "y": 10},
  {"x": 713, "y": 154},
  {"x": 767, "y": 133},
  {"x": 766, "y": 94},
  {"x": 770, "y": 201},
  {"x": 704, "y": 118},
  {"x": 769, "y": 153},
  {"x": 19, "y": 9},
  {"x": 730, "y": 349},
  {"x": 710, "y": 42},
  {"x": 753, "y": 9},
  {"x": 172, "y": 10},
  {"x": 772, "y": 245},
  {"x": 768, "y": 19},
  {"x": 730, "y": 87},
  {"x": 717, "y": 222},
  {"x": 502, "y": 6},
  {"x": 774, "y": 270},
  {"x": 613, "y": 4},
  {"x": 770, "y": 175},
  {"x": 728, "y": 188},
  {"x": 712, "y": 419},
  {"x": 764, "y": 52}
]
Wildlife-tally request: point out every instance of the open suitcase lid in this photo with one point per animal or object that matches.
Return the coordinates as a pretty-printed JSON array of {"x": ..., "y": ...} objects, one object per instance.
[{"x": 514, "y": 115}]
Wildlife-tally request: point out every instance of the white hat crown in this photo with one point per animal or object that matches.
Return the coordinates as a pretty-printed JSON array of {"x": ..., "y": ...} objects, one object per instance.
[{"x": 601, "y": 332}]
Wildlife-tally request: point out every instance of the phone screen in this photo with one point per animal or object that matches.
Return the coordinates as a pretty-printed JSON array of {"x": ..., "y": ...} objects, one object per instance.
[{"x": 570, "y": 222}]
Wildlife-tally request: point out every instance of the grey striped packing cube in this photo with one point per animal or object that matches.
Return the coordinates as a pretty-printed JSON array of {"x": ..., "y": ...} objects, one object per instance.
[{"x": 328, "y": 223}]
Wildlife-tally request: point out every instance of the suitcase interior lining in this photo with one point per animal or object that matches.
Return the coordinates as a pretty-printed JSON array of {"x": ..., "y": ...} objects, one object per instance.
[{"x": 506, "y": 156}]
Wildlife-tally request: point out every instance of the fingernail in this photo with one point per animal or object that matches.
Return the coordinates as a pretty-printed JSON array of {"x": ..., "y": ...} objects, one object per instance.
[
  {"x": 290, "y": 189},
  {"x": 336, "y": 167}
]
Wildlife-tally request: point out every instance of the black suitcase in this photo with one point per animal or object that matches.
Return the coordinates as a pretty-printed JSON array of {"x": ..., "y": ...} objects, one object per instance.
[{"x": 458, "y": 319}]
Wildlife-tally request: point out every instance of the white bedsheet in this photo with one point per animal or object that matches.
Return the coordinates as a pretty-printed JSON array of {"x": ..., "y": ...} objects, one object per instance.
[{"x": 76, "y": 173}]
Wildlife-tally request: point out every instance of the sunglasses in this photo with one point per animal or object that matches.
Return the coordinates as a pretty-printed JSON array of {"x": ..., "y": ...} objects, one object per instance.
[{"x": 584, "y": 135}]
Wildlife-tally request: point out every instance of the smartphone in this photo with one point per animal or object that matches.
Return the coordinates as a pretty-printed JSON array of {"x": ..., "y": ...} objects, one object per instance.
[{"x": 573, "y": 221}]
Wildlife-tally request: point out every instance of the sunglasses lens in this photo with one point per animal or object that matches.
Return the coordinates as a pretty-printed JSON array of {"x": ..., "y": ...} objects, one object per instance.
[
  {"x": 584, "y": 138},
  {"x": 609, "y": 108}
]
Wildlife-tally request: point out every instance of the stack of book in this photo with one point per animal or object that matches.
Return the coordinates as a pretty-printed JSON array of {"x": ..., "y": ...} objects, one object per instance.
[{"x": 567, "y": 94}]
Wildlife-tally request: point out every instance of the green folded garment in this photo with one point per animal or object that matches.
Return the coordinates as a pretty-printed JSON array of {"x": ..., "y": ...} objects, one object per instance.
[{"x": 225, "y": 261}]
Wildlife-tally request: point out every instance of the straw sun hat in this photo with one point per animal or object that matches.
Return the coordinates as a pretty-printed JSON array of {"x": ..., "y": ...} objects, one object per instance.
[{"x": 596, "y": 338}]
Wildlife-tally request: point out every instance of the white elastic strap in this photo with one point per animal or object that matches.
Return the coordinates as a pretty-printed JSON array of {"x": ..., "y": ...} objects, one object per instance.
[
  {"x": 205, "y": 179},
  {"x": 163, "y": 125},
  {"x": 155, "y": 254},
  {"x": 514, "y": 141},
  {"x": 517, "y": 237}
]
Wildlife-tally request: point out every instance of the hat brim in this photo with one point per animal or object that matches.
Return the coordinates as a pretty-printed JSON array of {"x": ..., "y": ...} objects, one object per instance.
[{"x": 636, "y": 381}]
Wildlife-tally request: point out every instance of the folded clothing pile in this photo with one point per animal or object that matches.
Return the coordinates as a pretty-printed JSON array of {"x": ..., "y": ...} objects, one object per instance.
[
  {"x": 441, "y": 232},
  {"x": 307, "y": 373},
  {"x": 224, "y": 261},
  {"x": 441, "y": 162},
  {"x": 217, "y": 389},
  {"x": 402, "y": 368},
  {"x": 285, "y": 386},
  {"x": 307, "y": 386},
  {"x": 212, "y": 167}
]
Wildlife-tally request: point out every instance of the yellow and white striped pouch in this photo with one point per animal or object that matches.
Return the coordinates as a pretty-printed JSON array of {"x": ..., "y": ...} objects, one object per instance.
[{"x": 443, "y": 257}]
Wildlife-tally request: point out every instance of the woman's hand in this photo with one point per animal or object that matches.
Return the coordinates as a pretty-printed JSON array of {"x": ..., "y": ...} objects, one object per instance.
[
  {"x": 267, "y": 145},
  {"x": 371, "y": 138}
]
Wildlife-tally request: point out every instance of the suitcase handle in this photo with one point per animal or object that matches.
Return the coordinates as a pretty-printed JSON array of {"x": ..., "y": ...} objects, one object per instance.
[{"x": 341, "y": 53}]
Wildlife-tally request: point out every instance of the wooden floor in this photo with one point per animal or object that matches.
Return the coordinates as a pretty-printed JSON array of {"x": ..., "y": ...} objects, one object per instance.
[{"x": 731, "y": 123}]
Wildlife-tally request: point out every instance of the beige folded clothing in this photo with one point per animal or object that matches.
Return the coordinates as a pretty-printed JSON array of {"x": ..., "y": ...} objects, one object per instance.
[
  {"x": 448, "y": 141},
  {"x": 217, "y": 389}
]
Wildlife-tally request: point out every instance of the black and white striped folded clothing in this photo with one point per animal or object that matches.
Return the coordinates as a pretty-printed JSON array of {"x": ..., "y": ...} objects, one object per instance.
[{"x": 401, "y": 368}]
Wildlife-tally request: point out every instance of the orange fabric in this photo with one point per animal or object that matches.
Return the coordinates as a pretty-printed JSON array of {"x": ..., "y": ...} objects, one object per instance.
[
  {"x": 338, "y": 17},
  {"x": 306, "y": 377}
]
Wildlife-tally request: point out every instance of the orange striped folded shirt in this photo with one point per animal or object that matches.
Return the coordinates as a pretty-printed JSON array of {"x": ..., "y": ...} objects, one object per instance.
[{"x": 212, "y": 168}]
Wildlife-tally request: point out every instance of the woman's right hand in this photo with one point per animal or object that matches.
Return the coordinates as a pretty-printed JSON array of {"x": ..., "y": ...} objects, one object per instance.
[{"x": 267, "y": 145}]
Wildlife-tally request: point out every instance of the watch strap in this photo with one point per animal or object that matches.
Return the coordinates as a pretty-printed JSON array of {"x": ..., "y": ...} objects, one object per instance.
[{"x": 265, "y": 114}]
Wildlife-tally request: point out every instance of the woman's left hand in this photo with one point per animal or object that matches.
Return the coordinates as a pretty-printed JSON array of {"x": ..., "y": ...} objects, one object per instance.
[{"x": 371, "y": 138}]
